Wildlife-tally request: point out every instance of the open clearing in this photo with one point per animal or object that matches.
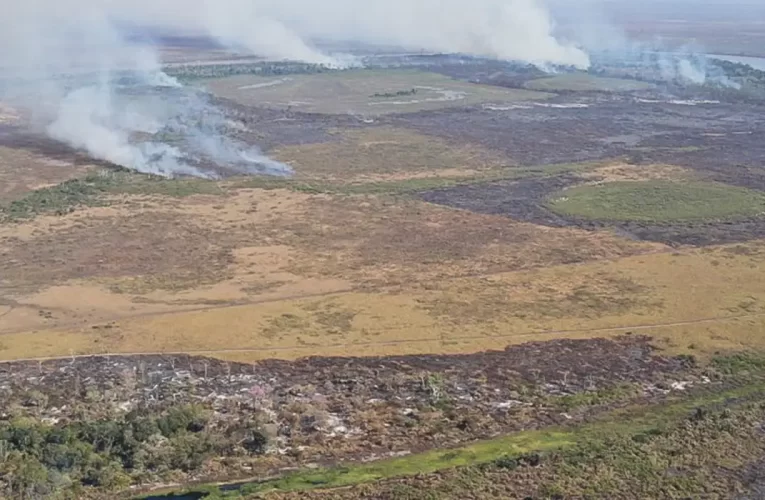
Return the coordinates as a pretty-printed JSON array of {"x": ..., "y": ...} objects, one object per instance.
[
  {"x": 243, "y": 245},
  {"x": 723, "y": 308},
  {"x": 363, "y": 92},
  {"x": 386, "y": 153},
  {"x": 584, "y": 82},
  {"x": 307, "y": 266},
  {"x": 23, "y": 171},
  {"x": 658, "y": 201}
]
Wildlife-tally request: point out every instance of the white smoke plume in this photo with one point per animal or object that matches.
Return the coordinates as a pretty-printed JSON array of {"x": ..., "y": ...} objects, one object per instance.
[
  {"x": 504, "y": 29},
  {"x": 591, "y": 24},
  {"x": 62, "y": 61}
]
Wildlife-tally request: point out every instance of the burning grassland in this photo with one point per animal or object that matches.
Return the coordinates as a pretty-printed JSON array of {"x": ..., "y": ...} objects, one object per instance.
[
  {"x": 410, "y": 231},
  {"x": 23, "y": 171},
  {"x": 582, "y": 82}
]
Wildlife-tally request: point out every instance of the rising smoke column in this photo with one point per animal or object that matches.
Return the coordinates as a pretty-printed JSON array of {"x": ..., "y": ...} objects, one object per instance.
[
  {"x": 520, "y": 30},
  {"x": 66, "y": 64},
  {"x": 282, "y": 29},
  {"x": 66, "y": 57}
]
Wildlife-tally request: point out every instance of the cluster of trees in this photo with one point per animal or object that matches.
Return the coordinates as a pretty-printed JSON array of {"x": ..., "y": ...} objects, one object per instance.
[
  {"x": 69, "y": 460},
  {"x": 196, "y": 72},
  {"x": 741, "y": 71},
  {"x": 400, "y": 93}
]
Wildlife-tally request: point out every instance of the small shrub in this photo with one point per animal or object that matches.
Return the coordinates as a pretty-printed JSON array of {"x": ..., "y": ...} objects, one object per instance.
[
  {"x": 182, "y": 418},
  {"x": 256, "y": 442}
]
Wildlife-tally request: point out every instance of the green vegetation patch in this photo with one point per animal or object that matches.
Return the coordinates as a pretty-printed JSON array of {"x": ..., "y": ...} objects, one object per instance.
[
  {"x": 581, "y": 82},
  {"x": 72, "y": 459},
  {"x": 705, "y": 455},
  {"x": 90, "y": 191},
  {"x": 93, "y": 189},
  {"x": 405, "y": 186},
  {"x": 365, "y": 92},
  {"x": 658, "y": 201}
]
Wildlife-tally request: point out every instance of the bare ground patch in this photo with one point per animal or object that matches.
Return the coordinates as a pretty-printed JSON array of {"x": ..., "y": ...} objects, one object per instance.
[
  {"x": 168, "y": 247},
  {"x": 534, "y": 296}
]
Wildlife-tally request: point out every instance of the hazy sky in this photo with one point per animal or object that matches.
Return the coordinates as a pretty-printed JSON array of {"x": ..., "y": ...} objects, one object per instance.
[
  {"x": 516, "y": 29},
  {"x": 43, "y": 39}
]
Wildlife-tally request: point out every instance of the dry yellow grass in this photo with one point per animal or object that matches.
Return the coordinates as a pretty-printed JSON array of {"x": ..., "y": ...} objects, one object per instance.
[
  {"x": 620, "y": 172},
  {"x": 386, "y": 153},
  {"x": 253, "y": 273},
  {"x": 698, "y": 301},
  {"x": 143, "y": 255}
]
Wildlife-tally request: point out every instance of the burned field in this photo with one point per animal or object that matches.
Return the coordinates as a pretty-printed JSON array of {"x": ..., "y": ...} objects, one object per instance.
[
  {"x": 115, "y": 426},
  {"x": 533, "y": 200},
  {"x": 253, "y": 420},
  {"x": 714, "y": 142}
]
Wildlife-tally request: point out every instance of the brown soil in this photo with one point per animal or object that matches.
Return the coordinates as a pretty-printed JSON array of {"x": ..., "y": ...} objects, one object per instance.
[
  {"x": 165, "y": 246},
  {"x": 380, "y": 241}
]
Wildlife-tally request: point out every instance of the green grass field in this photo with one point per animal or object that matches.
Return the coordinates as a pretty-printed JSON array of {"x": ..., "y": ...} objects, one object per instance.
[
  {"x": 657, "y": 201},
  {"x": 363, "y": 92},
  {"x": 89, "y": 191},
  {"x": 581, "y": 82}
]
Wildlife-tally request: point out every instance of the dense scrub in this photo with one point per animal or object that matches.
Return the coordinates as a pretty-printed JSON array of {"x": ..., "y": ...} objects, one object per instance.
[{"x": 40, "y": 460}]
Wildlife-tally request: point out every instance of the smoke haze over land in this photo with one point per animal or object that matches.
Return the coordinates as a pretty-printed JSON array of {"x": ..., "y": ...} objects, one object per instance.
[
  {"x": 505, "y": 29},
  {"x": 61, "y": 61},
  {"x": 66, "y": 57}
]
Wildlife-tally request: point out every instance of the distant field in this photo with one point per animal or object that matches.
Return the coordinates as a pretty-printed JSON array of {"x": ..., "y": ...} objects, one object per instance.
[
  {"x": 386, "y": 153},
  {"x": 582, "y": 82},
  {"x": 658, "y": 200},
  {"x": 363, "y": 92}
]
